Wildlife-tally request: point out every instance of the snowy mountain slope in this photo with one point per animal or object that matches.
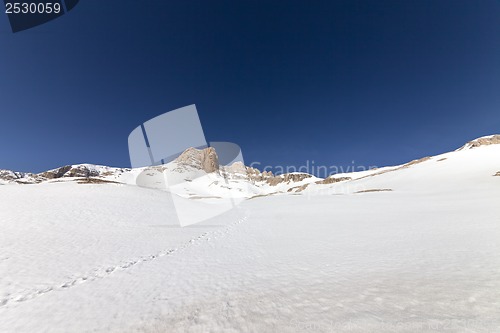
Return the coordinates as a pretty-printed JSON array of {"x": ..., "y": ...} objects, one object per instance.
[
  {"x": 195, "y": 176},
  {"x": 68, "y": 172},
  {"x": 472, "y": 165},
  {"x": 199, "y": 175},
  {"x": 8, "y": 176},
  {"x": 84, "y": 256}
]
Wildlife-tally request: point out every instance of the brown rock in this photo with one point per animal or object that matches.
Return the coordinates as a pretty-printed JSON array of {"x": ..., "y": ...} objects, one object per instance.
[
  {"x": 70, "y": 171},
  {"x": 287, "y": 178},
  {"x": 204, "y": 159},
  {"x": 331, "y": 180},
  {"x": 493, "y": 140}
]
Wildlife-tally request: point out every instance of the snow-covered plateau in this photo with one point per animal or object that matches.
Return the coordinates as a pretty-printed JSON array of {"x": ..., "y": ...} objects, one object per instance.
[{"x": 409, "y": 248}]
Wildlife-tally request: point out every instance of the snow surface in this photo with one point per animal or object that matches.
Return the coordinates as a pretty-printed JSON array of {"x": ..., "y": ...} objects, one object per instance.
[{"x": 423, "y": 257}]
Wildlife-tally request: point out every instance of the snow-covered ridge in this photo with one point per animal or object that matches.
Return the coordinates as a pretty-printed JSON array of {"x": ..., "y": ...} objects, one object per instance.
[
  {"x": 197, "y": 168},
  {"x": 201, "y": 175},
  {"x": 482, "y": 141},
  {"x": 64, "y": 172}
]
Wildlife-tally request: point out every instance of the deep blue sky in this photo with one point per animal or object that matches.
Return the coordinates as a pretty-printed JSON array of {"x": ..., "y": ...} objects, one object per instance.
[{"x": 377, "y": 82}]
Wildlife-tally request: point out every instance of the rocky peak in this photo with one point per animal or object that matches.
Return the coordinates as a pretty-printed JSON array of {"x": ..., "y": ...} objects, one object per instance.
[
  {"x": 236, "y": 167},
  {"x": 70, "y": 171},
  {"x": 483, "y": 141},
  {"x": 10, "y": 175},
  {"x": 201, "y": 159}
]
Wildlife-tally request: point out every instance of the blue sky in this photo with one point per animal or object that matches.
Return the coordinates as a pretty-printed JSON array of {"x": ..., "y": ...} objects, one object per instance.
[{"x": 375, "y": 82}]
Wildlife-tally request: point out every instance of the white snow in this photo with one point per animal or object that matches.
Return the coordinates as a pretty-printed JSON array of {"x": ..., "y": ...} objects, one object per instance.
[{"x": 424, "y": 257}]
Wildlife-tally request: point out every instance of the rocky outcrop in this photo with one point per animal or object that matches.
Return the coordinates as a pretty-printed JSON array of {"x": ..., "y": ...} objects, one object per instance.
[
  {"x": 331, "y": 180},
  {"x": 375, "y": 190},
  {"x": 209, "y": 160},
  {"x": 8, "y": 176},
  {"x": 70, "y": 171},
  {"x": 201, "y": 159},
  {"x": 287, "y": 178},
  {"x": 237, "y": 168},
  {"x": 404, "y": 166},
  {"x": 297, "y": 189},
  {"x": 484, "y": 141},
  {"x": 95, "y": 181},
  {"x": 497, "y": 174},
  {"x": 255, "y": 175}
]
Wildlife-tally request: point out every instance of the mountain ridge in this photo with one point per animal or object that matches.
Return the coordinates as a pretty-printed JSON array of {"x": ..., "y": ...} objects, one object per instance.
[{"x": 200, "y": 171}]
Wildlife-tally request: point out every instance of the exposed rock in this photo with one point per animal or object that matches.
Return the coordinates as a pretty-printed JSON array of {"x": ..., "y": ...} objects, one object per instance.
[
  {"x": 297, "y": 189},
  {"x": 420, "y": 160},
  {"x": 332, "y": 179},
  {"x": 484, "y": 141},
  {"x": 95, "y": 181},
  {"x": 70, "y": 171},
  {"x": 56, "y": 173},
  {"x": 497, "y": 174},
  {"x": 10, "y": 175},
  {"x": 236, "y": 168},
  {"x": 201, "y": 159},
  {"x": 404, "y": 166},
  {"x": 287, "y": 178},
  {"x": 375, "y": 190},
  {"x": 262, "y": 195},
  {"x": 255, "y": 175},
  {"x": 20, "y": 177}
]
